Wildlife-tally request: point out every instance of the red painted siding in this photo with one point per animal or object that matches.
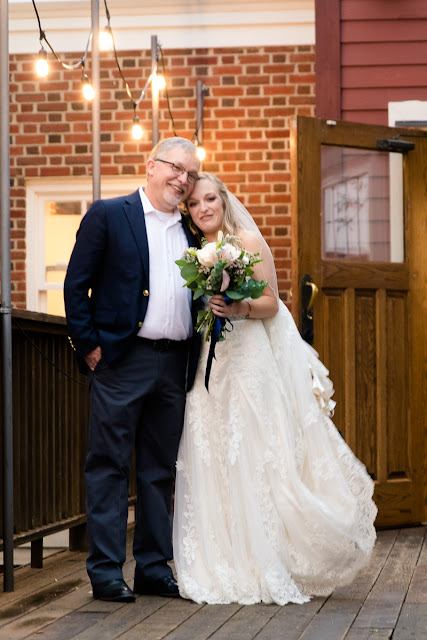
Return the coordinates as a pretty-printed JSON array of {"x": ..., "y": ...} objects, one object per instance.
[{"x": 382, "y": 56}]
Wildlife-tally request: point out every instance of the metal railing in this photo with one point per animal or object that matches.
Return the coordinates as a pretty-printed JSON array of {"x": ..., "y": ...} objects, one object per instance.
[{"x": 50, "y": 423}]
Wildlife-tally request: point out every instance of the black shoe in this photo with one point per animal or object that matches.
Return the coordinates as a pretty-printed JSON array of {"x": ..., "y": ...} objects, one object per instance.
[
  {"x": 113, "y": 591},
  {"x": 166, "y": 586}
]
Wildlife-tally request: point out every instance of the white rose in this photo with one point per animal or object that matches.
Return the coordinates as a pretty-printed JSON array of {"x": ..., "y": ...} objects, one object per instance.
[
  {"x": 229, "y": 252},
  {"x": 207, "y": 256}
]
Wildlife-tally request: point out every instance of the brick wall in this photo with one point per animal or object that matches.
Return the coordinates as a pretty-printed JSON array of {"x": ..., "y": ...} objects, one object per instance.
[{"x": 253, "y": 92}]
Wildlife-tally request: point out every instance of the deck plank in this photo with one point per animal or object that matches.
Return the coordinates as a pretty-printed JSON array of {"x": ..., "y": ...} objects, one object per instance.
[
  {"x": 37, "y": 619},
  {"x": 39, "y": 607},
  {"x": 246, "y": 623},
  {"x": 124, "y": 619},
  {"x": 412, "y": 623},
  {"x": 386, "y": 600},
  {"x": 204, "y": 623},
  {"x": 369, "y": 634},
  {"x": 291, "y": 620},
  {"x": 159, "y": 623},
  {"x": 68, "y": 627},
  {"x": 383, "y": 604},
  {"x": 337, "y": 615}
]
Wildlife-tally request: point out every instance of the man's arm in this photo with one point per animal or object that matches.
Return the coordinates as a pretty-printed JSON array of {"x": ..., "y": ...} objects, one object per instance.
[{"x": 85, "y": 263}]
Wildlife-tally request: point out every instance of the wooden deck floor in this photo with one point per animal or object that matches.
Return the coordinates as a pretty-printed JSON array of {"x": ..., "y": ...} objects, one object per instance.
[{"x": 387, "y": 600}]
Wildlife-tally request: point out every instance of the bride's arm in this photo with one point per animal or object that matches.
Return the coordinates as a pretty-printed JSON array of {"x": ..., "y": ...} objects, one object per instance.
[{"x": 264, "y": 307}]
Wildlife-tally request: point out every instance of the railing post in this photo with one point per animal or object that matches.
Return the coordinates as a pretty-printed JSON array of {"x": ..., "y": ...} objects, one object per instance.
[
  {"x": 78, "y": 538},
  {"x": 6, "y": 305},
  {"x": 96, "y": 105}
]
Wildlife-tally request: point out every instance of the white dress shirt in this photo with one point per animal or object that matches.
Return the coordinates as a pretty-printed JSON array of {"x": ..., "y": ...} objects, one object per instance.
[{"x": 169, "y": 303}]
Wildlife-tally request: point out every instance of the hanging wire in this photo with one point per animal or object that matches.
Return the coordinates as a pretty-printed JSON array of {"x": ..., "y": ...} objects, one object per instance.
[
  {"x": 107, "y": 13},
  {"x": 135, "y": 103},
  {"x": 42, "y": 37},
  {"x": 81, "y": 62}
]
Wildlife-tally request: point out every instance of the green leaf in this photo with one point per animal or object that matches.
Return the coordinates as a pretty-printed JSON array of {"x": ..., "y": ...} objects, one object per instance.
[
  {"x": 198, "y": 294},
  {"x": 234, "y": 295},
  {"x": 216, "y": 276},
  {"x": 181, "y": 263},
  {"x": 189, "y": 271},
  {"x": 201, "y": 315}
]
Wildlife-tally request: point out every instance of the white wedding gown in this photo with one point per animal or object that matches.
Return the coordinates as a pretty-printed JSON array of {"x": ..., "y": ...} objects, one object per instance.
[{"x": 271, "y": 505}]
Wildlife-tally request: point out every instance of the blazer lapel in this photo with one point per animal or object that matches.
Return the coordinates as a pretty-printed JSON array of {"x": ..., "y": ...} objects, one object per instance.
[{"x": 135, "y": 215}]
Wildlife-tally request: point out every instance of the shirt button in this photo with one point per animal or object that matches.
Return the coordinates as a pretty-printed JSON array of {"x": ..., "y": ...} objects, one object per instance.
[
  {"x": 140, "y": 323},
  {"x": 145, "y": 292}
]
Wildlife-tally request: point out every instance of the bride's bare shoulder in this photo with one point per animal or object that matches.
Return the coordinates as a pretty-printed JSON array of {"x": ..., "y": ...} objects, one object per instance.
[{"x": 249, "y": 241}]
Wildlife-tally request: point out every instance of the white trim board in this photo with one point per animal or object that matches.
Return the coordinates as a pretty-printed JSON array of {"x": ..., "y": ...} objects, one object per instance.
[
  {"x": 405, "y": 113},
  {"x": 177, "y": 24}
]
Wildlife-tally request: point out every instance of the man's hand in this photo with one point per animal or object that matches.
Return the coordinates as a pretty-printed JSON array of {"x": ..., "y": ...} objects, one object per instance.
[{"x": 93, "y": 357}]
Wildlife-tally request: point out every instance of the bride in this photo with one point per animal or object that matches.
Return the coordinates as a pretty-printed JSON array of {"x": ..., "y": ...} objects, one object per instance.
[{"x": 271, "y": 505}]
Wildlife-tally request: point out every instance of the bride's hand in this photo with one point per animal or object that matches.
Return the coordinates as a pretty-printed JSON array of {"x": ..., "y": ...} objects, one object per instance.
[
  {"x": 218, "y": 306},
  {"x": 221, "y": 309}
]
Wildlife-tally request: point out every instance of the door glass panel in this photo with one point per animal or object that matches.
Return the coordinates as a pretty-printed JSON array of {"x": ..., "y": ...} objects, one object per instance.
[
  {"x": 62, "y": 220},
  {"x": 358, "y": 188}
]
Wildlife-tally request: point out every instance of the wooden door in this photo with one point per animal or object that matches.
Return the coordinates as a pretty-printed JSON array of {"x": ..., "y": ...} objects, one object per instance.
[{"x": 367, "y": 255}]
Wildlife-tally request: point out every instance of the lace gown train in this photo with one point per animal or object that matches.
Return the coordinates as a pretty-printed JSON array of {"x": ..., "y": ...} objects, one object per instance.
[{"x": 271, "y": 505}]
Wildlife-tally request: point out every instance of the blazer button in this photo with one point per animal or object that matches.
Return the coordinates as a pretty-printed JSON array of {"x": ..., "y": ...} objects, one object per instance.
[
  {"x": 145, "y": 292},
  {"x": 140, "y": 323}
]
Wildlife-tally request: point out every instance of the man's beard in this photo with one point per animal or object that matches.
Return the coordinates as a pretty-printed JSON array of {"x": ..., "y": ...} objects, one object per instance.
[{"x": 171, "y": 198}]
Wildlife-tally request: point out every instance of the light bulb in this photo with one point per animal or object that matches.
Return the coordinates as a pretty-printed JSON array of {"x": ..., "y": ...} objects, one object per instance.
[
  {"x": 201, "y": 153},
  {"x": 106, "y": 39},
  {"x": 88, "y": 91},
  {"x": 42, "y": 67},
  {"x": 137, "y": 131},
  {"x": 159, "y": 83}
]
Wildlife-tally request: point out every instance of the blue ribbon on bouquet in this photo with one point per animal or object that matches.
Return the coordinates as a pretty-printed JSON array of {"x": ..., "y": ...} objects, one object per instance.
[{"x": 216, "y": 330}]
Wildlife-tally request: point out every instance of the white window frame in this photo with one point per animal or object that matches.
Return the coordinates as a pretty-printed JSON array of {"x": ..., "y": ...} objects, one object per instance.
[
  {"x": 406, "y": 111},
  {"x": 40, "y": 190}
]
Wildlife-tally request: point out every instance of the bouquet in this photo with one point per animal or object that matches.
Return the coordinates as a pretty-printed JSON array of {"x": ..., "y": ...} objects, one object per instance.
[{"x": 220, "y": 267}]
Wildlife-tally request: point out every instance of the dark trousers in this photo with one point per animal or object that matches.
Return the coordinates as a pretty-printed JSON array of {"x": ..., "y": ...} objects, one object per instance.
[{"x": 138, "y": 402}]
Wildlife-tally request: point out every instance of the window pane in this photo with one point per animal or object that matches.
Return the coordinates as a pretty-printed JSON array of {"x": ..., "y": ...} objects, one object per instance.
[
  {"x": 62, "y": 220},
  {"x": 357, "y": 220}
]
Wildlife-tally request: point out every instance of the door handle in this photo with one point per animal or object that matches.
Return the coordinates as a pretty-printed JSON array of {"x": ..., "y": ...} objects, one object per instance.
[
  {"x": 314, "y": 292},
  {"x": 309, "y": 292}
]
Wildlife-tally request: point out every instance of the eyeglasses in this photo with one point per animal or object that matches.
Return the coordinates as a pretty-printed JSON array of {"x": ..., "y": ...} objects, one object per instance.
[{"x": 178, "y": 170}]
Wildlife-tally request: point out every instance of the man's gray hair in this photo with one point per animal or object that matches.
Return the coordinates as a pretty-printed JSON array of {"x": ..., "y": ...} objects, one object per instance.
[{"x": 161, "y": 149}]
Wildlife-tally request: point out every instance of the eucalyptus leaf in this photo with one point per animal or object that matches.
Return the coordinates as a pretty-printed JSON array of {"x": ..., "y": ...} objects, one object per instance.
[{"x": 189, "y": 271}]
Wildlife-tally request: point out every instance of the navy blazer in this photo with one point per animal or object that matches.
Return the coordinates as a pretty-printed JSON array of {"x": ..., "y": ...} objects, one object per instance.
[{"x": 110, "y": 260}]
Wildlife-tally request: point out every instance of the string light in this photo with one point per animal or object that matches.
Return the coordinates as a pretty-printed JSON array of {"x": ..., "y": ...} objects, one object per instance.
[
  {"x": 137, "y": 131},
  {"x": 42, "y": 37},
  {"x": 200, "y": 152},
  {"x": 158, "y": 82},
  {"x": 88, "y": 91},
  {"x": 106, "y": 39},
  {"x": 106, "y": 42},
  {"x": 42, "y": 67}
]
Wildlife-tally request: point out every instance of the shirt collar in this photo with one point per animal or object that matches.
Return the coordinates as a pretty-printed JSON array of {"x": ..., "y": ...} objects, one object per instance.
[{"x": 149, "y": 209}]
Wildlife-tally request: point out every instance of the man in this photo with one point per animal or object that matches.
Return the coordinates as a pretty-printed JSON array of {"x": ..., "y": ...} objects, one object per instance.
[{"x": 130, "y": 322}]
